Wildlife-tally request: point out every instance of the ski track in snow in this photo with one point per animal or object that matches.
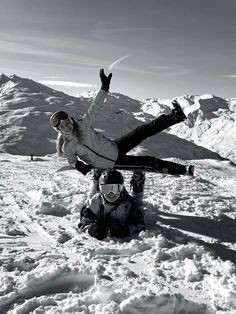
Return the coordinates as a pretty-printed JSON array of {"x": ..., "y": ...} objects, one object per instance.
[{"x": 183, "y": 263}]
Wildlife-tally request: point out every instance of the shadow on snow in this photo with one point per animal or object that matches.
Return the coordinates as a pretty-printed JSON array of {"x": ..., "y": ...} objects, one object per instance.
[{"x": 223, "y": 230}]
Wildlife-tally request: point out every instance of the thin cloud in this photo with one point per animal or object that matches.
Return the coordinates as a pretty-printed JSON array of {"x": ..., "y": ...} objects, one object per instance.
[
  {"x": 180, "y": 72},
  {"x": 66, "y": 83},
  {"x": 231, "y": 76},
  {"x": 169, "y": 71},
  {"x": 162, "y": 67},
  {"x": 53, "y": 77},
  {"x": 117, "y": 61},
  {"x": 104, "y": 30}
]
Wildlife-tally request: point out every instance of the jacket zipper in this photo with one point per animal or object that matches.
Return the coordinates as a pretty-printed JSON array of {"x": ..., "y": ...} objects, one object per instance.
[{"x": 98, "y": 154}]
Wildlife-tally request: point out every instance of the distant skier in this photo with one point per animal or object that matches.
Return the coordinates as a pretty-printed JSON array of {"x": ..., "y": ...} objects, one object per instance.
[
  {"x": 112, "y": 211},
  {"x": 77, "y": 138}
]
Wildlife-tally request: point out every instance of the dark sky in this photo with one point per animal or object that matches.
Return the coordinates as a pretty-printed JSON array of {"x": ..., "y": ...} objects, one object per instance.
[{"x": 166, "y": 48}]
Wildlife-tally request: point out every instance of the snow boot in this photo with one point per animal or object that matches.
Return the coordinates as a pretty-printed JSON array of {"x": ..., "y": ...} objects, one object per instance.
[
  {"x": 137, "y": 187},
  {"x": 137, "y": 182},
  {"x": 175, "y": 116},
  {"x": 190, "y": 170},
  {"x": 177, "y": 112}
]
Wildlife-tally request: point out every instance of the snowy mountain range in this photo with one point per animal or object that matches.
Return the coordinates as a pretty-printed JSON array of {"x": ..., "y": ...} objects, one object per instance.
[
  {"x": 210, "y": 123},
  {"x": 26, "y": 106}
]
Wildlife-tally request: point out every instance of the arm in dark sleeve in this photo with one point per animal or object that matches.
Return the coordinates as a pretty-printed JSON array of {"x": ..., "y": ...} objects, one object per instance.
[
  {"x": 90, "y": 222},
  {"x": 87, "y": 218}
]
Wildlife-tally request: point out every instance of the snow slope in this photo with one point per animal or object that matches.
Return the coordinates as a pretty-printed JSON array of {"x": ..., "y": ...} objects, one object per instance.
[
  {"x": 211, "y": 121},
  {"x": 183, "y": 263},
  {"x": 25, "y": 110},
  {"x": 26, "y": 107}
]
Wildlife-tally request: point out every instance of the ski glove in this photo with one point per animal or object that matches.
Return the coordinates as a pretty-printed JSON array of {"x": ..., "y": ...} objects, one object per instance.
[
  {"x": 97, "y": 231},
  {"x": 82, "y": 167},
  {"x": 119, "y": 231},
  {"x": 105, "y": 80}
]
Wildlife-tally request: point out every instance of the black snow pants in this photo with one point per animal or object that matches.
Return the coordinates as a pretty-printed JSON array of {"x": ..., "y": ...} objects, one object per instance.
[{"x": 135, "y": 137}]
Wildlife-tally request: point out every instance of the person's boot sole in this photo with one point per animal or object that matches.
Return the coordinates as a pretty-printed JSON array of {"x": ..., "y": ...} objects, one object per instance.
[{"x": 180, "y": 112}]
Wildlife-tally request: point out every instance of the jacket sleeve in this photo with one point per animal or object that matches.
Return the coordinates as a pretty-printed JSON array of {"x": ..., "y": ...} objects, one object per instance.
[
  {"x": 87, "y": 217},
  {"x": 89, "y": 214},
  {"x": 90, "y": 115},
  {"x": 71, "y": 156}
]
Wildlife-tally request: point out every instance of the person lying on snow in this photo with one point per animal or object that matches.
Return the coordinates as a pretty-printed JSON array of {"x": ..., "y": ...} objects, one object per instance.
[
  {"x": 77, "y": 138},
  {"x": 113, "y": 211}
]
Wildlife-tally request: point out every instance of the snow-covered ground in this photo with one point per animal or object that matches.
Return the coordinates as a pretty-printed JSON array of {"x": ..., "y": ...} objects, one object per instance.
[
  {"x": 185, "y": 260},
  {"x": 183, "y": 263}
]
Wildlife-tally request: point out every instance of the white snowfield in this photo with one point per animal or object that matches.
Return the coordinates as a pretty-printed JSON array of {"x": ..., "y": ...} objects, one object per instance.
[{"x": 184, "y": 262}]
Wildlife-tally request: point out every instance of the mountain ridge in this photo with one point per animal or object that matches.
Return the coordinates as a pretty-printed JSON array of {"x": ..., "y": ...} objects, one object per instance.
[{"x": 26, "y": 106}]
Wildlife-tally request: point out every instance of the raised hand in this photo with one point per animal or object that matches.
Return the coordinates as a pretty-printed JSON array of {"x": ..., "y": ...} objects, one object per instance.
[{"x": 105, "y": 80}]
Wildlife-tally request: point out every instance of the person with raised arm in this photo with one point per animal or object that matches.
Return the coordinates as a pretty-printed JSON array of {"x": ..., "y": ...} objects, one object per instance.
[{"x": 85, "y": 148}]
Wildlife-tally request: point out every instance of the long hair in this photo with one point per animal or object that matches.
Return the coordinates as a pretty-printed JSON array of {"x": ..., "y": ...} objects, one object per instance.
[{"x": 63, "y": 140}]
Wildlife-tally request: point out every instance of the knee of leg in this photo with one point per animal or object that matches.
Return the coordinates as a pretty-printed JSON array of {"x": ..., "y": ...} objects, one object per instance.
[{"x": 151, "y": 161}]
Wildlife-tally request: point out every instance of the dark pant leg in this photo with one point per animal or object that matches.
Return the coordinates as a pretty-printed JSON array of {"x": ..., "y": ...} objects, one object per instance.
[
  {"x": 159, "y": 165},
  {"x": 135, "y": 137},
  {"x": 94, "y": 187}
]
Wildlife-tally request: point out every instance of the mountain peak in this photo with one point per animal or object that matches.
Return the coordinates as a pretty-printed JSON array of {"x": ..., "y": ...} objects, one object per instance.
[
  {"x": 3, "y": 79},
  {"x": 14, "y": 78},
  {"x": 32, "y": 86},
  {"x": 3, "y": 75}
]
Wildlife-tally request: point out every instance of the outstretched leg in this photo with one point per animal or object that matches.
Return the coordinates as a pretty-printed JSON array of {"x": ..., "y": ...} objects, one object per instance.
[
  {"x": 135, "y": 137},
  {"x": 162, "y": 166}
]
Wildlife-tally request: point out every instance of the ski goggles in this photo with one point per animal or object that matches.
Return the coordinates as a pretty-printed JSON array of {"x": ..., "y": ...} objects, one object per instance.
[
  {"x": 111, "y": 188},
  {"x": 57, "y": 117}
]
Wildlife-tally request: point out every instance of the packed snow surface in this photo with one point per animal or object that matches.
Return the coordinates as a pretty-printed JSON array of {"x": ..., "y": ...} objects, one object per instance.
[{"x": 183, "y": 263}]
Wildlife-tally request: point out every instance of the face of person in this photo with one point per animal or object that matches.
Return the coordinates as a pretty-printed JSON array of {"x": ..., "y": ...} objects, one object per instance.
[
  {"x": 111, "y": 192},
  {"x": 66, "y": 127},
  {"x": 111, "y": 197}
]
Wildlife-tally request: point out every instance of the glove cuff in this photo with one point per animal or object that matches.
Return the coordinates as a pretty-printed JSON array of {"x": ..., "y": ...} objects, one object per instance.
[
  {"x": 82, "y": 167},
  {"x": 105, "y": 87}
]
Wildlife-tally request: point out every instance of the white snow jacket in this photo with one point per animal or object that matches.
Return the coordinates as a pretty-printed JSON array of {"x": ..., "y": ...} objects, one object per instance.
[
  {"x": 124, "y": 212},
  {"x": 95, "y": 149}
]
